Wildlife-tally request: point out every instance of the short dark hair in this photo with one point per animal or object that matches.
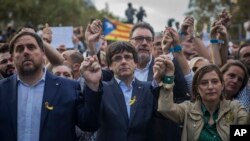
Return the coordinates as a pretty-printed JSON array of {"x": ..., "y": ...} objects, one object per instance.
[
  {"x": 23, "y": 33},
  {"x": 76, "y": 57},
  {"x": 241, "y": 47},
  {"x": 119, "y": 47},
  {"x": 142, "y": 25},
  {"x": 4, "y": 47}
]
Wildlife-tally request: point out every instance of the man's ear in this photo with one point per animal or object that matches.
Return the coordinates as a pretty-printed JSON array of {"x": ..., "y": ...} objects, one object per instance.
[
  {"x": 110, "y": 67},
  {"x": 76, "y": 66}
]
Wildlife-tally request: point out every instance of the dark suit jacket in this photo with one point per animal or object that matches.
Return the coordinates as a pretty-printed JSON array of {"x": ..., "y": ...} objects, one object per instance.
[
  {"x": 115, "y": 123},
  {"x": 180, "y": 88},
  {"x": 164, "y": 129},
  {"x": 70, "y": 108}
]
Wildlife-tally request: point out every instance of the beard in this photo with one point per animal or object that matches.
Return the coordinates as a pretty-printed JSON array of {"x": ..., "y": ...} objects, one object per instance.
[
  {"x": 30, "y": 70},
  {"x": 143, "y": 58},
  {"x": 8, "y": 72}
]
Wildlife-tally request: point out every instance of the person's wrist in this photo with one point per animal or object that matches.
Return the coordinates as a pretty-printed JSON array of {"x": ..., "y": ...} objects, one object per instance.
[
  {"x": 168, "y": 79},
  {"x": 167, "y": 82},
  {"x": 216, "y": 41},
  {"x": 176, "y": 49},
  {"x": 90, "y": 52}
]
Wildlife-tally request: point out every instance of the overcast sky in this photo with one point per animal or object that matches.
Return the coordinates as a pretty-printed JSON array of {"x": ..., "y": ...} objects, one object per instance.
[{"x": 158, "y": 11}]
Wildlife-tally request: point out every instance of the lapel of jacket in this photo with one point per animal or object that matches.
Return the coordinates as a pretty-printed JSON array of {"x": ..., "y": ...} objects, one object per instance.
[
  {"x": 150, "y": 71},
  {"x": 12, "y": 104},
  {"x": 137, "y": 96},
  {"x": 119, "y": 98},
  {"x": 50, "y": 91}
]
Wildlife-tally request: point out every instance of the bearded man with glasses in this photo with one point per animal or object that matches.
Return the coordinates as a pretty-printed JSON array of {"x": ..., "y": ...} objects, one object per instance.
[{"x": 142, "y": 37}]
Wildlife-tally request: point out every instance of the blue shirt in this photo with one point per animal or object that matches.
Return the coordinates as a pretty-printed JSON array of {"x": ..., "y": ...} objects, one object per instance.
[
  {"x": 127, "y": 92},
  {"x": 30, "y": 99}
]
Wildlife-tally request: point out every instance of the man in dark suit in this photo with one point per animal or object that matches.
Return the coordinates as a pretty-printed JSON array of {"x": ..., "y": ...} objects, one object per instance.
[
  {"x": 128, "y": 105},
  {"x": 38, "y": 106},
  {"x": 142, "y": 37}
]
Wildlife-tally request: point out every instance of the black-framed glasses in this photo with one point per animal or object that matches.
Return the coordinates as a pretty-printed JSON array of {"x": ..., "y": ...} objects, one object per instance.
[
  {"x": 141, "y": 39},
  {"x": 119, "y": 58}
]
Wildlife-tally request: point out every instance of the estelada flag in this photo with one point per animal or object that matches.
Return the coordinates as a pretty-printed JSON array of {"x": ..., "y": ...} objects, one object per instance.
[{"x": 115, "y": 30}]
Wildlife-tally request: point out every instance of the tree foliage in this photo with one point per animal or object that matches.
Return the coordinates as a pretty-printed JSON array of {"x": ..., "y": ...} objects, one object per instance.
[
  {"x": 205, "y": 11},
  {"x": 54, "y": 12}
]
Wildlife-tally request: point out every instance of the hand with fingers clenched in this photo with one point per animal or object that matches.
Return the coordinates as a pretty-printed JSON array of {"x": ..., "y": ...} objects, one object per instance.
[
  {"x": 163, "y": 66},
  {"x": 47, "y": 34},
  {"x": 93, "y": 34},
  {"x": 91, "y": 71}
]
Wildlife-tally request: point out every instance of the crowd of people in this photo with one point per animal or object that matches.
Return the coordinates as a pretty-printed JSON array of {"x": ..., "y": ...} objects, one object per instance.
[{"x": 166, "y": 86}]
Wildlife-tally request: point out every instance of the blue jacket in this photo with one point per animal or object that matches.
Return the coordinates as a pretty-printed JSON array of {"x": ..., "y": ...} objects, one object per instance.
[
  {"x": 71, "y": 107},
  {"x": 115, "y": 123}
]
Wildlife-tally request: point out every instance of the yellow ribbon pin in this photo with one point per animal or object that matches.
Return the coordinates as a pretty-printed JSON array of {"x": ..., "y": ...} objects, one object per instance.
[
  {"x": 132, "y": 101},
  {"x": 48, "y": 107}
]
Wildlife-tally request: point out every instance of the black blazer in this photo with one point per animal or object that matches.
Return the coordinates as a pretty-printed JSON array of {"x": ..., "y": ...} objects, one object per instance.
[
  {"x": 180, "y": 88},
  {"x": 115, "y": 123},
  {"x": 70, "y": 108}
]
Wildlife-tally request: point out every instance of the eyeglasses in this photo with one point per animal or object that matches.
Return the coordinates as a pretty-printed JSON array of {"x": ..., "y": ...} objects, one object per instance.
[
  {"x": 140, "y": 39},
  {"x": 119, "y": 58}
]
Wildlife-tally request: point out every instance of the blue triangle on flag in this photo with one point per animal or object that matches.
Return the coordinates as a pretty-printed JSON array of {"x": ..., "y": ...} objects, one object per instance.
[{"x": 108, "y": 26}]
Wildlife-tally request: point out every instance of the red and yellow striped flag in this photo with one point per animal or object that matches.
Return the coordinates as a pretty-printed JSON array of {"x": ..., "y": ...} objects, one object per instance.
[{"x": 115, "y": 30}]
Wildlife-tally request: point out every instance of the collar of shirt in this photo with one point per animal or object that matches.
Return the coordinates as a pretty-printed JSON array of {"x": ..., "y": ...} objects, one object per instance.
[
  {"x": 41, "y": 80},
  {"x": 120, "y": 82},
  {"x": 207, "y": 115},
  {"x": 142, "y": 74},
  {"x": 148, "y": 64}
]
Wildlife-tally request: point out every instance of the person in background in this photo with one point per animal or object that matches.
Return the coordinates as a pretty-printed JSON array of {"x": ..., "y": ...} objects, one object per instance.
[
  {"x": 233, "y": 50},
  {"x": 157, "y": 49},
  {"x": 6, "y": 65},
  {"x": 192, "y": 46},
  {"x": 61, "y": 49},
  {"x": 219, "y": 38},
  {"x": 247, "y": 28},
  {"x": 197, "y": 62},
  {"x": 79, "y": 33},
  {"x": 47, "y": 34},
  {"x": 73, "y": 59},
  {"x": 63, "y": 71},
  {"x": 236, "y": 78},
  {"x": 78, "y": 45}
]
